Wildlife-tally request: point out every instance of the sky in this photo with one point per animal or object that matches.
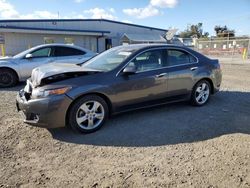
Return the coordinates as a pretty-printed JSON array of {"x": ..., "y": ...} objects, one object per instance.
[{"x": 163, "y": 14}]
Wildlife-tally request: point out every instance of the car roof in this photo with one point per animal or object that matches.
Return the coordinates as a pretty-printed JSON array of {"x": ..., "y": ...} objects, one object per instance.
[
  {"x": 136, "y": 47},
  {"x": 61, "y": 45}
]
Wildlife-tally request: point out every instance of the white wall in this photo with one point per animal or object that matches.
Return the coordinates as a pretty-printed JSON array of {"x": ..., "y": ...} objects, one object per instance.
[{"x": 16, "y": 42}]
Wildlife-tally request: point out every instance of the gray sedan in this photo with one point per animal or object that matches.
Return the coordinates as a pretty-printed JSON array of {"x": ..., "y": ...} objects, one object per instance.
[
  {"x": 19, "y": 67},
  {"x": 120, "y": 79}
]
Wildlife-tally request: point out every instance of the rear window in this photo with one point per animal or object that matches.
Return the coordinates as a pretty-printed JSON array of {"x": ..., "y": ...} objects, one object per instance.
[{"x": 65, "y": 51}]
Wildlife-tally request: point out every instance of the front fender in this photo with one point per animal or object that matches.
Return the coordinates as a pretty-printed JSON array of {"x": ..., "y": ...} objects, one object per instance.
[
  {"x": 74, "y": 93},
  {"x": 12, "y": 66}
]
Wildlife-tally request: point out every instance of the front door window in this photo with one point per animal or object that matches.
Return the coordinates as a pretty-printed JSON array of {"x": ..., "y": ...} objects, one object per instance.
[
  {"x": 147, "y": 61},
  {"x": 44, "y": 52}
]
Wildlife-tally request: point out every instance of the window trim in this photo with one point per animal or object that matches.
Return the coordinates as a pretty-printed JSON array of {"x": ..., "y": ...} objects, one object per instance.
[{"x": 159, "y": 48}]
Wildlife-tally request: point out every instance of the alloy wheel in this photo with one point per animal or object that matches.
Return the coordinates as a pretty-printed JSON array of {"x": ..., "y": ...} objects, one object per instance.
[
  {"x": 202, "y": 93},
  {"x": 90, "y": 115}
]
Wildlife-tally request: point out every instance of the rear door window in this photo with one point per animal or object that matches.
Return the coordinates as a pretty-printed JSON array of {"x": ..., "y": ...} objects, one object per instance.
[
  {"x": 179, "y": 57},
  {"x": 66, "y": 51}
]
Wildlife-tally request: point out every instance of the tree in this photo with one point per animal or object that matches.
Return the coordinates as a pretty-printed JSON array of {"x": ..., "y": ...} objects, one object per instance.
[
  {"x": 195, "y": 31},
  {"x": 223, "y": 31}
]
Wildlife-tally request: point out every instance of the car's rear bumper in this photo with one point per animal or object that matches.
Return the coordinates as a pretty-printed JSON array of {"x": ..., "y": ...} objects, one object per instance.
[
  {"x": 216, "y": 88},
  {"x": 217, "y": 79},
  {"x": 45, "y": 112}
]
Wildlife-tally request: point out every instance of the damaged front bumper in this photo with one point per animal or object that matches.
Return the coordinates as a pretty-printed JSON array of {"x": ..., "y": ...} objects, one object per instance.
[{"x": 43, "y": 112}]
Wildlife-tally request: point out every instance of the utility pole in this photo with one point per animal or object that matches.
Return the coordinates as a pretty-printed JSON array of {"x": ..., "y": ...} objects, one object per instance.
[
  {"x": 228, "y": 39},
  {"x": 248, "y": 48}
]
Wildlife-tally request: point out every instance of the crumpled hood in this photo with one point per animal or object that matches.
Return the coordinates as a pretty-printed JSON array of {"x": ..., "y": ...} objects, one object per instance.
[{"x": 52, "y": 69}]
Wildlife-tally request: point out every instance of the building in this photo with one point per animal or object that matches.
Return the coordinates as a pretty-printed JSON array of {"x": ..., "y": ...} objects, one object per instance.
[{"x": 94, "y": 34}]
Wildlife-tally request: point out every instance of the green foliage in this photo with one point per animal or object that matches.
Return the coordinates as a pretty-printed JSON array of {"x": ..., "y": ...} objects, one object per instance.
[
  {"x": 223, "y": 31},
  {"x": 195, "y": 31}
]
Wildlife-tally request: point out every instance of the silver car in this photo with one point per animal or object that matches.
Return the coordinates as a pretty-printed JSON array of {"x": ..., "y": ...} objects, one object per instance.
[{"x": 19, "y": 67}]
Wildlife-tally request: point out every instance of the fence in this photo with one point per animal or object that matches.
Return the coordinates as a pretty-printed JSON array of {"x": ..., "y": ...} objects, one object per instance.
[{"x": 225, "y": 50}]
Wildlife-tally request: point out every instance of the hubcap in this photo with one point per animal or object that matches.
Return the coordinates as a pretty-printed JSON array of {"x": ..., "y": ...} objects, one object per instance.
[
  {"x": 90, "y": 115},
  {"x": 202, "y": 93}
]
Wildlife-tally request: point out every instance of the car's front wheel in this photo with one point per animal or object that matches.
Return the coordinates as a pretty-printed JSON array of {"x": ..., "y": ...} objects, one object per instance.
[
  {"x": 88, "y": 114},
  {"x": 201, "y": 93},
  {"x": 8, "y": 78}
]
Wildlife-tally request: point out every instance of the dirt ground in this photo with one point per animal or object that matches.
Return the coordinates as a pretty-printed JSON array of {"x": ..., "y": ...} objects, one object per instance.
[{"x": 174, "y": 145}]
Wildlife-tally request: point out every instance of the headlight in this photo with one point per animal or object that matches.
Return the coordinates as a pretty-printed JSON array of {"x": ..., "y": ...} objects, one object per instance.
[{"x": 37, "y": 93}]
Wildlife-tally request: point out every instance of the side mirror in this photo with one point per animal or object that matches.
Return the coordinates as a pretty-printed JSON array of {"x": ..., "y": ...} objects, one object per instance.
[
  {"x": 129, "y": 70},
  {"x": 28, "y": 56}
]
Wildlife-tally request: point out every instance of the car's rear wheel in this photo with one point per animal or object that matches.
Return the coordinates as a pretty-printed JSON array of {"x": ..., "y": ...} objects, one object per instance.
[
  {"x": 201, "y": 93},
  {"x": 8, "y": 78},
  {"x": 88, "y": 114}
]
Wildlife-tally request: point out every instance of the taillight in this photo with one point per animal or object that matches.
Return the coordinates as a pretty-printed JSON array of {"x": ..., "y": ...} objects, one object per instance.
[{"x": 216, "y": 63}]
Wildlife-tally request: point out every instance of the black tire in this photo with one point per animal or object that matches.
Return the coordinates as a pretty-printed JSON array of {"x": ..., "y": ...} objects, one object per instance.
[
  {"x": 74, "y": 112},
  {"x": 194, "y": 96},
  {"x": 8, "y": 78}
]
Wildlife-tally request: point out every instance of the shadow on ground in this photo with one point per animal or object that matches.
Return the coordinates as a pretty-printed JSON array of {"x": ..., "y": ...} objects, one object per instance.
[
  {"x": 226, "y": 113},
  {"x": 18, "y": 87}
]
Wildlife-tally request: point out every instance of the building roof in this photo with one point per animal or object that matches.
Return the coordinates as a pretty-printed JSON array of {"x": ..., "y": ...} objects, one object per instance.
[
  {"x": 80, "y": 20},
  {"x": 143, "y": 37},
  {"x": 52, "y": 30}
]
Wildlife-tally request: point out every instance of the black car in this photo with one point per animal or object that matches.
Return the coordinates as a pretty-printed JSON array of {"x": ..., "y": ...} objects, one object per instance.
[{"x": 120, "y": 79}]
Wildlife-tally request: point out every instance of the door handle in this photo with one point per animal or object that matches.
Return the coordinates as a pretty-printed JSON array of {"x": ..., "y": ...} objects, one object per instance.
[
  {"x": 161, "y": 75},
  {"x": 193, "y": 68}
]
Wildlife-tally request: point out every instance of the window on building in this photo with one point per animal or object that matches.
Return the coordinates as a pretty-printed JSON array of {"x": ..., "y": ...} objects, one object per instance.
[
  {"x": 66, "y": 51},
  {"x": 108, "y": 44},
  {"x": 48, "y": 40},
  {"x": 69, "y": 40}
]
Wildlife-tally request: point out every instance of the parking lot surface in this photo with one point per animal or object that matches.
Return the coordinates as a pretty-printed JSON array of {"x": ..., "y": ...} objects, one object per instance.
[{"x": 174, "y": 145}]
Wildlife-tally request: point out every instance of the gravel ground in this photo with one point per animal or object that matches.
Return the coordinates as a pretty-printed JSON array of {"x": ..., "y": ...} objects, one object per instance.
[{"x": 174, "y": 145}]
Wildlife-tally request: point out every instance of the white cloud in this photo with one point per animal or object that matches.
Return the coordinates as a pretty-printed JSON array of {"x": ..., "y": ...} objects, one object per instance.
[
  {"x": 7, "y": 10},
  {"x": 39, "y": 15},
  {"x": 164, "y": 3},
  {"x": 74, "y": 15},
  {"x": 127, "y": 21},
  {"x": 101, "y": 13},
  {"x": 141, "y": 13},
  {"x": 112, "y": 10},
  {"x": 151, "y": 9}
]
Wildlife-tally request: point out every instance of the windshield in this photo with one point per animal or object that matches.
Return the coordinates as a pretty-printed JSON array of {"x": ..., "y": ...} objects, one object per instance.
[
  {"x": 108, "y": 60},
  {"x": 22, "y": 54}
]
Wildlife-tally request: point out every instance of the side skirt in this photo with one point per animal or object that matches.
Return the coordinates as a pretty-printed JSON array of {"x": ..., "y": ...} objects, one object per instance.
[{"x": 155, "y": 103}]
